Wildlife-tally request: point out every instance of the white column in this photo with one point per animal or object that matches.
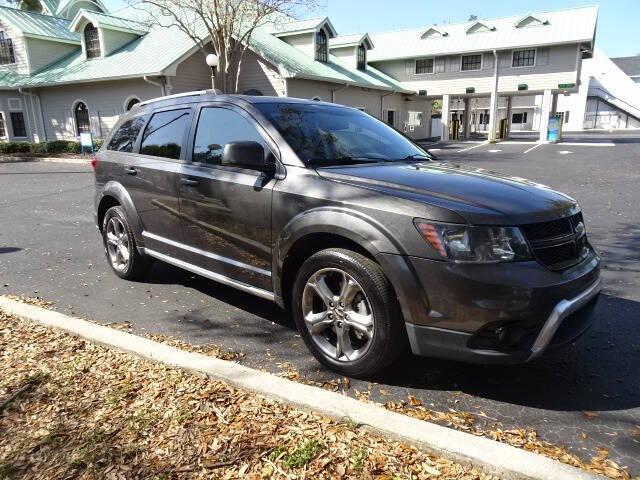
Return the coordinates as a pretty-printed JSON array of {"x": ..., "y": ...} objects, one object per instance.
[
  {"x": 446, "y": 118},
  {"x": 466, "y": 118},
  {"x": 509, "y": 114},
  {"x": 544, "y": 114},
  {"x": 493, "y": 116}
]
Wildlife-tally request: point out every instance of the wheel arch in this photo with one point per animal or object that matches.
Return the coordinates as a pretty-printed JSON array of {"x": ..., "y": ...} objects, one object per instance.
[
  {"x": 320, "y": 229},
  {"x": 115, "y": 194}
]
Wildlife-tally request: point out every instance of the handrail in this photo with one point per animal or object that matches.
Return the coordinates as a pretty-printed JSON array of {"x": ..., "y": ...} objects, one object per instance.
[{"x": 609, "y": 94}]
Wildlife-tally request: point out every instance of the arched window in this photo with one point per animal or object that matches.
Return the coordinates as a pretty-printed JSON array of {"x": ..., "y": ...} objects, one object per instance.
[
  {"x": 362, "y": 58},
  {"x": 132, "y": 102},
  {"x": 322, "y": 47},
  {"x": 92, "y": 41},
  {"x": 81, "y": 113}
]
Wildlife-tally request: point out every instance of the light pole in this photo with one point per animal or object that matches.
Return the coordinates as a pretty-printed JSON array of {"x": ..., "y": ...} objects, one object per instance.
[{"x": 212, "y": 61}]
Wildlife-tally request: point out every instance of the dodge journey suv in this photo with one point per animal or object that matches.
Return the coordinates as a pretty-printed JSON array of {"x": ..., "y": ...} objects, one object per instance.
[{"x": 373, "y": 244}]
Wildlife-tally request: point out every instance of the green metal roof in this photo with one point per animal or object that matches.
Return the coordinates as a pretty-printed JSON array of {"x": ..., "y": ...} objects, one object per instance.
[
  {"x": 10, "y": 80},
  {"x": 162, "y": 47},
  {"x": 293, "y": 63},
  {"x": 32, "y": 24},
  {"x": 107, "y": 21}
]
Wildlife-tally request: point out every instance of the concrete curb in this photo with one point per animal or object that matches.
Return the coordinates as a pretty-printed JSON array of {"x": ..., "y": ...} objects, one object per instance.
[
  {"x": 491, "y": 457},
  {"x": 76, "y": 161}
]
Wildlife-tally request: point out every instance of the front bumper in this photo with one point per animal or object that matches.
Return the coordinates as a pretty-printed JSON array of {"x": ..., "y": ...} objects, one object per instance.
[
  {"x": 568, "y": 320},
  {"x": 493, "y": 314}
]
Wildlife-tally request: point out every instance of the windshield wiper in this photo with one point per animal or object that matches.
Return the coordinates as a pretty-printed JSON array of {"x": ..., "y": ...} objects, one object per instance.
[
  {"x": 417, "y": 156},
  {"x": 345, "y": 160}
]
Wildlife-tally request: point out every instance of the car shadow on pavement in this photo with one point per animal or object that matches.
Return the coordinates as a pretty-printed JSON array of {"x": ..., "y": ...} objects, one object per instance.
[
  {"x": 9, "y": 250},
  {"x": 596, "y": 373}
]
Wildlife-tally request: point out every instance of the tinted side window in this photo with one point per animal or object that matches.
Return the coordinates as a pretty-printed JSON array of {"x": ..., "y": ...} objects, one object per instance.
[
  {"x": 164, "y": 134},
  {"x": 216, "y": 128},
  {"x": 125, "y": 137}
]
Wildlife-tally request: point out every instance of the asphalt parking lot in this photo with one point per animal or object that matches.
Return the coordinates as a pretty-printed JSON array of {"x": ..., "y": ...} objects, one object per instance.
[{"x": 49, "y": 247}]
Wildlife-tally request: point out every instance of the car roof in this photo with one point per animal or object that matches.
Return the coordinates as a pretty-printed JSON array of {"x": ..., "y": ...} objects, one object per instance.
[{"x": 210, "y": 95}]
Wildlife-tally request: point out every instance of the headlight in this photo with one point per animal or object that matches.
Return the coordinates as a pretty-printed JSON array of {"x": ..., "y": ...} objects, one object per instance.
[{"x": 463, "y": 243}]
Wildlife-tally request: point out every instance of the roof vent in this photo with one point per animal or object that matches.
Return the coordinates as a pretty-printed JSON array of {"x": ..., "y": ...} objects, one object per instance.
[{"x": 531, "y": 21}]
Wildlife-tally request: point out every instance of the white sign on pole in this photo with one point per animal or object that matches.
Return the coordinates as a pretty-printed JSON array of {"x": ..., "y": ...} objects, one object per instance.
[{"x": 86, "y": 140}]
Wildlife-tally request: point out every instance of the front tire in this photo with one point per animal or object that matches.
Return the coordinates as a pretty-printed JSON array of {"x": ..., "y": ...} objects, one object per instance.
[
  {"x": 120, "y": 246},
  {"x": 347, "y": 313}
]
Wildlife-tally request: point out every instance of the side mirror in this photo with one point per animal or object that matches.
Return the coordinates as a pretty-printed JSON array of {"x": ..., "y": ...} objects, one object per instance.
[{"x": 249, "y": 155}]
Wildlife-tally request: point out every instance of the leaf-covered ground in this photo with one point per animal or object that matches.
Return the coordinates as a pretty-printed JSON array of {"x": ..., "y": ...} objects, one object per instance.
[{"x": 72, "y": 409}]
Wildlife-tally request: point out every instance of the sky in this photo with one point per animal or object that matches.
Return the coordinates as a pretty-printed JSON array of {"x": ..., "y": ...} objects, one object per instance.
[{"x": 618, "y": 21}]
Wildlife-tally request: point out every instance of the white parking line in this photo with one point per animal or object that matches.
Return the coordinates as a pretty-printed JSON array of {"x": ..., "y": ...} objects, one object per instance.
[
  {"x": 578, "y": 144},
  {"x": 471, "y": 148},
  {"x": 434, "y": 149},
  {"x": 533, "y": 148}
]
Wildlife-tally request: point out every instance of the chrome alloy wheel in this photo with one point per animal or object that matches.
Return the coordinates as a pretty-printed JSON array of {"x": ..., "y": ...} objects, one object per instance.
[
  {"x": 338, "y": 314},
  {"x": 117, "y": 244}
]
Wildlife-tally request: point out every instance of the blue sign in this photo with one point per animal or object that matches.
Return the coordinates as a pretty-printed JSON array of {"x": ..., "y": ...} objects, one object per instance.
[{"x": 553, "y": 131}]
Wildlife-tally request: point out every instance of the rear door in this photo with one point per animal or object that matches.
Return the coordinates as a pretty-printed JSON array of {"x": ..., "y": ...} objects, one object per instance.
[
  {"x": 226, "y": 211},
  {"x": 151, "y": 176}
]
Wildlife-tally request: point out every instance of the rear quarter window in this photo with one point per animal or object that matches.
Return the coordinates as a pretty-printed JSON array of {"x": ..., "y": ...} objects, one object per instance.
[{"x": 124, "y": 139}]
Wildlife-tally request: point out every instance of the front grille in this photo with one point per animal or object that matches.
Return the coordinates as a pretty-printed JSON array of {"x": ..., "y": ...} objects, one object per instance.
[
  {"x": 555, "y": 228},
  {"x": 558, "y": 244}
]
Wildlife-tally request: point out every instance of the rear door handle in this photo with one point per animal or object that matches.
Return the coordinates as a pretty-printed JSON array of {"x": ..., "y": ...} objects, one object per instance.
[
  {"x": 131, "y": 171},
  {"x": 189, "y": 182}
]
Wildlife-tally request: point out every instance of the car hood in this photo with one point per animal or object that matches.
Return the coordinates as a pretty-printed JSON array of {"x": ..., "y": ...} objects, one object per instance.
[{"x": 480, "y": 196}]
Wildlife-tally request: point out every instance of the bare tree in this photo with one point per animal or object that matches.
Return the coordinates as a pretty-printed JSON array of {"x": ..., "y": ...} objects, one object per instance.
[
  {"x": 472, "y": 18},
  {"x": 224, "y": 26}
]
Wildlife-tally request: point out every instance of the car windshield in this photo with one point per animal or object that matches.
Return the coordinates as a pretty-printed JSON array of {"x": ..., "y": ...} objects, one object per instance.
[{"x": 324, "y": 136}]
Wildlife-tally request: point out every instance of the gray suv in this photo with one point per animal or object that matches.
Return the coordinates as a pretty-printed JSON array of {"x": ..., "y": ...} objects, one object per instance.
[{"x": 372, "y": 243}]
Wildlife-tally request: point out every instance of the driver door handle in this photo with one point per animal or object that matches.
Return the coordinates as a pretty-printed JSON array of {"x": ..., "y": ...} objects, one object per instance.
[
  {"x": 189, "y": 182},
  {"x": 131, "y": 171}
]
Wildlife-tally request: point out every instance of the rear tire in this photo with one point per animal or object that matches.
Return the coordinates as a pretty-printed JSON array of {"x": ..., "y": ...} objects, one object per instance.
[
  {"x": 120, "y": 246},
  {"x": 347, "y": 313}
]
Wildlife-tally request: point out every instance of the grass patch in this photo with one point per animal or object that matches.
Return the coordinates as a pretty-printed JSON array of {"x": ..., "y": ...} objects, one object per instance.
[{"x": 303, "y": 453}]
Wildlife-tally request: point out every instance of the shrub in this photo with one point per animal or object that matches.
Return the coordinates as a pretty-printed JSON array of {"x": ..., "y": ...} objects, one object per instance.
[
  {"x": 15, "y": 147},
  {"x": 43, "y": 148}
]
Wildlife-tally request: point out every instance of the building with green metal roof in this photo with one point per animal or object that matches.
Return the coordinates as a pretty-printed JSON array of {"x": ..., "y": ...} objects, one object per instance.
[{"x": 70, "y": 66}]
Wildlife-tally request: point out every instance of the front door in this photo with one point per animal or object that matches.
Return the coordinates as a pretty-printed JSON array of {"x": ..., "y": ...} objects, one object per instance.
[
  {"x": 226, "y": 211},
  {"x": 391, "y": 117}
]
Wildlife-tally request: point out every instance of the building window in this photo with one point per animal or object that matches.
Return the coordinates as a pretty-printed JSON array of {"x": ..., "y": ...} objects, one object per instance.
[
  {"x": 7, "y": 55},
  {"x": 519, "y": 117},
  {"x": 524, "y": 58},
  {"x": 131, "y": 103},
  {"x": 18, "y": 125},
  {"x": 471, "y": 62},
  {"x": 3, "y": 127},
  {"x": 362, "y": 58},
  {"x": 81, "y": 113},
  {"x": 424, "y": 65},
  {"x": 322, "y": 47},
  {"x": 91, "y": 41}
]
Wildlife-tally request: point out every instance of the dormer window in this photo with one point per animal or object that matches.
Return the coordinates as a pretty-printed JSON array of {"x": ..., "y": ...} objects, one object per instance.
[
  {"x": 7, "y": 55},
  {"x": 92, "y": 41},
  {"x": 322, "y": 47},
  {"x": 362, "y": 58}
]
